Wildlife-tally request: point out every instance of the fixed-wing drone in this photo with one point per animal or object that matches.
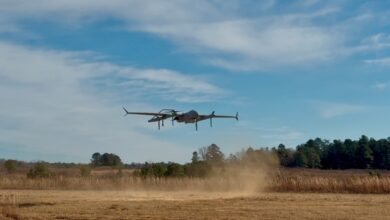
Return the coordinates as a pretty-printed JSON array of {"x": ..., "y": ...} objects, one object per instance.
[{"x": 188, "y": 117}]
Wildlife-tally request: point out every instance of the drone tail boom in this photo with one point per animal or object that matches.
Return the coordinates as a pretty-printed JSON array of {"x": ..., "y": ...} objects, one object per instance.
[{"x": 126, "y": 112}]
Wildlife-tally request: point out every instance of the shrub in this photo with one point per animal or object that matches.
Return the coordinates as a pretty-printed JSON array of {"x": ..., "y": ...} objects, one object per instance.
[
  {"x": 39, "y": 170},
  {"x": 85, "y": 171},
  {"x": 154, "y": 169},
  {"x": 374, "y": 173},
  {"x": 10, "y": 165},
  {"x": 106, "y": 159},
  {"x": 119, "y": 173},
  {"x": 175, "y": 170},
  {"x": 198, "y": 169}
]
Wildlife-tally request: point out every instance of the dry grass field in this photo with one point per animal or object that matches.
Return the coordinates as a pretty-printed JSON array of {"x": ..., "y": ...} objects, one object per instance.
[
  {"x": 282, "y": 194},
  {"x": 52, "y": 204}
]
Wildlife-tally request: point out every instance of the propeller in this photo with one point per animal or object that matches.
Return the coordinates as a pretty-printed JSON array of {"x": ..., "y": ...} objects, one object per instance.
[
  {"x": 174, "y": 114},
  {"x": 211, "y": 118},
  {"x": 172, "y": 111}
]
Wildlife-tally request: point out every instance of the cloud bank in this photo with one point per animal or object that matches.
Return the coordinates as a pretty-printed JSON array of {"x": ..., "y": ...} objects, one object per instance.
[
  {"x": 68, "y": 104},
  {"x": 227, "y": 34}
]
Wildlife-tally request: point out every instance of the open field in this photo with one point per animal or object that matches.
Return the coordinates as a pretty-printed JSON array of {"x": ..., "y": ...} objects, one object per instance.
[
  {"x": 281, "y": 194},
  {"x": 54, "y": 204}
]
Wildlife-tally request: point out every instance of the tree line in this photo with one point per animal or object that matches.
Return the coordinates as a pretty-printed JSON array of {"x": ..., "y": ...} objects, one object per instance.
[{"x": 364, "y": 153}]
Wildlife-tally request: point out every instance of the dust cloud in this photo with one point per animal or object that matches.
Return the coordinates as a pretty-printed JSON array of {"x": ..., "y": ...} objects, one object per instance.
[
  {"x": 247, "y": 177},
  {"x": 242, "y": 178}
]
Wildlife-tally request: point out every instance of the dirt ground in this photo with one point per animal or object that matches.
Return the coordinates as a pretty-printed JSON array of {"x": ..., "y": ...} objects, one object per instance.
[{"x": 47, "y": 204}]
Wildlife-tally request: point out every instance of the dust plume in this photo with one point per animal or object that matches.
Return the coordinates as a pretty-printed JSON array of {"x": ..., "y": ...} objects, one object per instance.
[
  {"x": 250, "y": 174},
  {"x": 246, "y": 175}
]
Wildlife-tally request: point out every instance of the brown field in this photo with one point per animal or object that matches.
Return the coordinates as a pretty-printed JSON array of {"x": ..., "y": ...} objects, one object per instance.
[
  {"x": 243, "y": 194},
  {"x": 54, "y": 204}
]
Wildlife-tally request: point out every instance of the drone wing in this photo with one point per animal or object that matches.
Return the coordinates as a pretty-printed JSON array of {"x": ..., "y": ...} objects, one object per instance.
[
  {"x": 212, "y": 115},
  {"x": 145, "y": 113},
  {"x": 225, "y": 116}
]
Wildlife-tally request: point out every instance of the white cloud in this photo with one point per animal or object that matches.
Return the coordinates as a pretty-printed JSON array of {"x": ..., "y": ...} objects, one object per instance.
[
  {"x": 174, "y": 84},
  {"x": 220, "y": 31},
  {"x": 55, "y": 103},
  {"x": 381, "y": 61},
  {"x": 253, "y": 43},
  {"x": 229, "y": 34},
  {"x": 329, "y": 110},
  {"x": 381, "y": 85},
  {"x": 378, "y": 41}
]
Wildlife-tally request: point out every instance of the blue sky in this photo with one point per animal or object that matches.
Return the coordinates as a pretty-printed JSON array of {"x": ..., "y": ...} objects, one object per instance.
[{"x": 293, "y": 71}]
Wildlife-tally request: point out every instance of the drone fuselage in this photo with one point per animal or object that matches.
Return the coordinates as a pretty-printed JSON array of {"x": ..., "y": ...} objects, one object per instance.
[{"x": 188, "y": 117}]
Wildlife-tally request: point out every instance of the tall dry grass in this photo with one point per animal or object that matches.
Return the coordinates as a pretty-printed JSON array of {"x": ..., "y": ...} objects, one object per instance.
[
  {"x": 283, "y": 180},
  {"x": 246, "y": 177},
  {"x": 124, "y": 183},
  {"x": 330, "y": 181},
  {"x": 329, "y": 184}
]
